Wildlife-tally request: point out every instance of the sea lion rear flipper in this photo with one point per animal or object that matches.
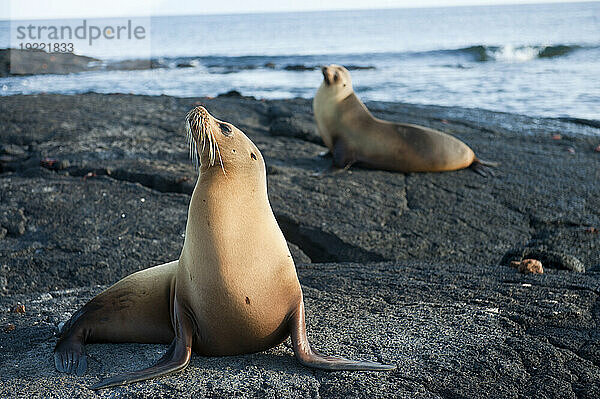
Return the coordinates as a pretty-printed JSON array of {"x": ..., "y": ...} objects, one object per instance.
[
  {"x": 69, "y": 357},
  {"x": 176, "y": 358},
  {"x": 483, "y": 167},
  {"x": 309, "y": 357}
]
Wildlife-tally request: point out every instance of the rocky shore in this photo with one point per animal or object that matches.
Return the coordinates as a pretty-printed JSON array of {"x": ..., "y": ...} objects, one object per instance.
[
  {"x": 16, "y": 62},
  {"x": 412, "y": 269}
]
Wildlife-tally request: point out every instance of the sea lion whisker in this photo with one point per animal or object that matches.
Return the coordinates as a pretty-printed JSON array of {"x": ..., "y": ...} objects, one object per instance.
[
  {"x": 210, "y": 149},
  {"x": 191, "y": 125},
  {"x": 190, "y": 142},
  {"x": 220, "y": 158},
  {"x": 203, "y": 144}
]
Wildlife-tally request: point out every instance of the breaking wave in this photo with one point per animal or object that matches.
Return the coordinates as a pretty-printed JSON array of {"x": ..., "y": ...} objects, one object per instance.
[
  {"x": 513, "y": 53},
  {"x": 302, "y": 63}
]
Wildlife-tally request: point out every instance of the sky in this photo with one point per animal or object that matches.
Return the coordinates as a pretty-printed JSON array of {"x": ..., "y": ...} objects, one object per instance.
[{"x": 45, "y": 9}]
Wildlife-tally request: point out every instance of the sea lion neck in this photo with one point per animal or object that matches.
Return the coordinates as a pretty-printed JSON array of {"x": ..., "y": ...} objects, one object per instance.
[{"x": 231, "y": 184}]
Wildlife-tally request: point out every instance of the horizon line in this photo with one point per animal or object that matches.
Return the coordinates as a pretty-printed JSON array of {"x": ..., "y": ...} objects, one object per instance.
[{"x": 528, "y": 3}]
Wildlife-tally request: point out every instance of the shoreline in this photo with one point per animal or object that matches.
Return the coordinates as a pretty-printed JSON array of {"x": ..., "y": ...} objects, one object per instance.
[
  {"x": 585, "y": 126},
  {"x": 411, "y": 268}
]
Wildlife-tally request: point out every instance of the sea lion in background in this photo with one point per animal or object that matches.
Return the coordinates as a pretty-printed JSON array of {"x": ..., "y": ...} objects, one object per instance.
[
  {"x": 354, "y": 135},
  {"x": 234, "y": 289}
]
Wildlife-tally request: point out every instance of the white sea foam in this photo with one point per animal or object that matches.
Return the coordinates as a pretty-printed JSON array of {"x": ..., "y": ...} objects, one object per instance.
[{"x": 510, "y": 53}]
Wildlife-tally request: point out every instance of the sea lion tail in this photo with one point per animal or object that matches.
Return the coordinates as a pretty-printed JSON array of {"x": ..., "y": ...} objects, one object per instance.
[{"x": 482, "y": 167}]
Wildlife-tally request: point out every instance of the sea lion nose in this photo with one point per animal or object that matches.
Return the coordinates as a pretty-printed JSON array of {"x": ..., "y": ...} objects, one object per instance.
[{"x": 200, "y": 110}]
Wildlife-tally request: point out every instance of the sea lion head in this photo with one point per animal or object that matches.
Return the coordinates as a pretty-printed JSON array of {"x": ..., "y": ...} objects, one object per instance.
[
  {"x": 336, "y": 81},
  {"x": 216, "y": 144}
]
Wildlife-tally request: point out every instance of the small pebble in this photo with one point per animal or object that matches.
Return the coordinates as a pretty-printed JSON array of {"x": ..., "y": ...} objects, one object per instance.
[
  {"x": 18, "y": 309},
  {"x": 597, "y": 149},
  {"x": 591, "y": 230},
  {"x": 556, "y": 137},
  {"x": 571, "y": 150},
  {"x": 9, "y": 327},
  {"x": 48, "y": 162},
  {"x": 528, "y": 266}
]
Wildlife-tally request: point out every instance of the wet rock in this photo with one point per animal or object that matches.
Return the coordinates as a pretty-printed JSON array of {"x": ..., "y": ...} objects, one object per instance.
[
  {"x": 134, "y": 65},
  {"x": 359, "y": 67},
  {"x": 450, "y": 321},
  {"x": 297, "y": 254},
  {"x": 425, "y": 295},
  {"x": 32, "y": 62},
  {"x": 13, "y": 150},
  {"x": 231, "y": 93},
  {"x": 12, "y": 219},
  {"x": 280, "y": 111},
  {"x": 299, "y": 67},
  {"x": 372, "y": 214},
  {"x": 54, "y": 164},
  {"x": 295, "y": 126}
]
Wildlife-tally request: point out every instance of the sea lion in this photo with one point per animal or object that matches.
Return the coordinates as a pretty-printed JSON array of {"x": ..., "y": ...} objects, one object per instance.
[
  {"x": 354, "y": 135},
  {"x": 234, "y": 289}
]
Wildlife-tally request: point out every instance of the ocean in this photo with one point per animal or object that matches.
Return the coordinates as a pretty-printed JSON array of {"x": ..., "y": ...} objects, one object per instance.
[{"x": 538, "y": 60}]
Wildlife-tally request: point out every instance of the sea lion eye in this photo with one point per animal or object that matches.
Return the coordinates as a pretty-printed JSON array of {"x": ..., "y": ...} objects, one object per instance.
[{"x": 225, "y": 129}]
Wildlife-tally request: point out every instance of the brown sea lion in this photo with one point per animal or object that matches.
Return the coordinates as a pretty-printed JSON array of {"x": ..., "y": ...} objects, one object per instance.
[
  {"x": 354, "y": 135},
  {"x": 234, "y": 289}
]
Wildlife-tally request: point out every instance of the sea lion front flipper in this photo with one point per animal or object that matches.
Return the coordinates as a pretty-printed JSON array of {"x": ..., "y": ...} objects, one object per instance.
[
  {"x": 309, "y": 357},
  {"x": 176, "y": 358},
  {"x": 343, "y": 158}
]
